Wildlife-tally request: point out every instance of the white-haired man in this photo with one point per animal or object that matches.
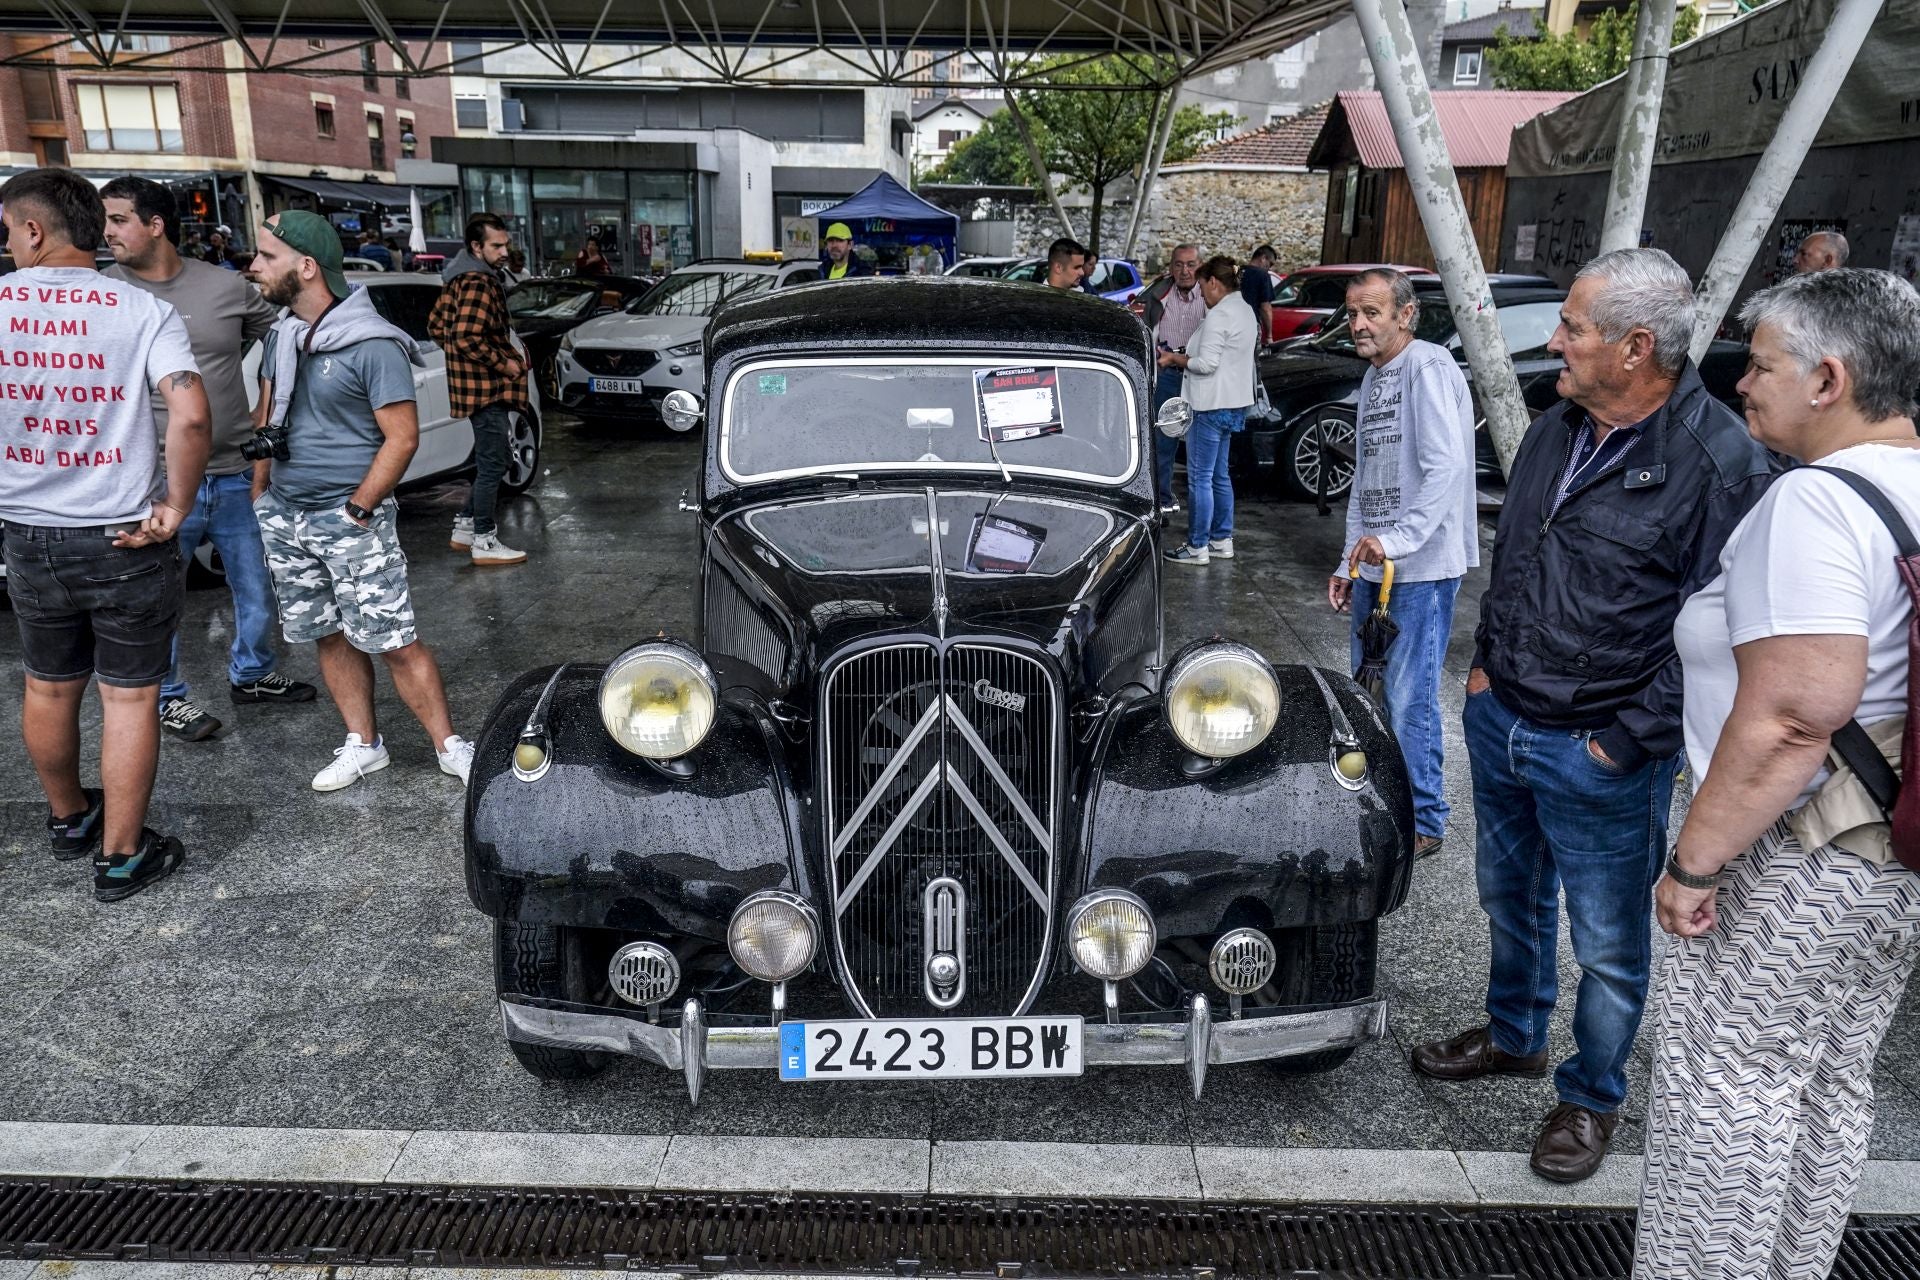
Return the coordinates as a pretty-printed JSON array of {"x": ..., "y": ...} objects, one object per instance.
[
  {"x": 1616, "y": 509},
  {"x": 1821, "y": 251}
]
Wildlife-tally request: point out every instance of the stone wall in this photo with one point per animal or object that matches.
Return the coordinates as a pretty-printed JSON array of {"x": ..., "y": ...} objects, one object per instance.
[{"x": 1222, "y": 211}]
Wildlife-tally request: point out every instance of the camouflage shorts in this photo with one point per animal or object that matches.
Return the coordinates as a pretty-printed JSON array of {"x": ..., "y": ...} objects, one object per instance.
[{"x": 330, "y": 575}]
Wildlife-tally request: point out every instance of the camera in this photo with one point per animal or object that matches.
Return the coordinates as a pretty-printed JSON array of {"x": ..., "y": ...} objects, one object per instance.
[{"x": 270, "y": 442}]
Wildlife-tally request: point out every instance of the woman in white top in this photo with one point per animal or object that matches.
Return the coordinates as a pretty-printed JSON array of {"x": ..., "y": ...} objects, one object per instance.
[
  {"x": 1794, "y": 931},
  {"x": 1219, "y": 365}
]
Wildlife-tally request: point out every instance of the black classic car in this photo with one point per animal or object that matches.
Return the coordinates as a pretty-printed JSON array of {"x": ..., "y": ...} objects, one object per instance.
[
  {"x": 545, "y": 309},
  {"x": 925, "y": 795},
  {"x": 1313, "y": 384}
]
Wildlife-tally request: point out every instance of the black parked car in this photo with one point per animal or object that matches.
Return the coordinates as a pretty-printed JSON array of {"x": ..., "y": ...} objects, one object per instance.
[
  {"x": 1313, "y": 385},
  {"x": 925, "y": 796},
  {"x": 545, "y": 309}
]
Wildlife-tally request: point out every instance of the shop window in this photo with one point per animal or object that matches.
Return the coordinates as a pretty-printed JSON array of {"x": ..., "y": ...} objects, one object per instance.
[
  {"x": 41, "y": 94},
  {"x": 1466, "y": 66},
  {"x": 470, "y": 113},
  {"x": 323, "y": 119},
  {"x": 130, "y": 117}
]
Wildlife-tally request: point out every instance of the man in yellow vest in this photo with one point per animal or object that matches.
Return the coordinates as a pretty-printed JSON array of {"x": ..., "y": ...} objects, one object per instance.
[{"x": 841, "y": 262}]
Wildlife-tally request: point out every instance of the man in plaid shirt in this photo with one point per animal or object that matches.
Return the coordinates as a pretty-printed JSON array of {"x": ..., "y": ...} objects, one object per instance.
[{"x": 486, "y": 377}]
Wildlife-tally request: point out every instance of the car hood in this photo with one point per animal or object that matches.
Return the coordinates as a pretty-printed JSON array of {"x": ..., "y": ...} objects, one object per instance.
[
  {"x": 1304, "y": 365},
  {"x": 790, "y": 584},
  {"x": 640, "y": 331}
]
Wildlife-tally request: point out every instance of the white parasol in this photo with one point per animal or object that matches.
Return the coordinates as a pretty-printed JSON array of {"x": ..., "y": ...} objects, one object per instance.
[{"x": 417, "y": 237}]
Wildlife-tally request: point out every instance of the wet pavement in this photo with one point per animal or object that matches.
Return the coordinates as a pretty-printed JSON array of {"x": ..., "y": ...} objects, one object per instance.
[{"x": 316, "y": 964}]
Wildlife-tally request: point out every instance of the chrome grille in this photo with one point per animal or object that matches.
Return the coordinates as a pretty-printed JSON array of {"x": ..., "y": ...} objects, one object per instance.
[
  {"x": 940, "y": 765},
  {"x": 615, "y": 362}
]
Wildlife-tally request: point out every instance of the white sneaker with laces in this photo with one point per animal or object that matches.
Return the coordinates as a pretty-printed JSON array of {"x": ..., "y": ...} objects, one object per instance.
[
  {"x": 352, "y": 762},
  {"x": 1221, "y": 550},
  {"x": 489, "y": 550},
  {"x": 462, "y": 537},
  {"x": 456, "y": 757}
]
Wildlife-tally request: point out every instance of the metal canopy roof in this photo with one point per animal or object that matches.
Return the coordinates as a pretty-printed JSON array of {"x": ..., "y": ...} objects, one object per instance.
[{"x": 732, "y": 41}]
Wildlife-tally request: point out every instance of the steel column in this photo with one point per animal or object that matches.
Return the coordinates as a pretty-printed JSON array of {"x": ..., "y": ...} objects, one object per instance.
[
  {"x": 1150, "y": 171},
  {"x": 1779, "y": 164},
  {"x": 1639, "y": 126},
  {"x": 1399, "y": 71},
  {"x": 1039, "y": 164}
]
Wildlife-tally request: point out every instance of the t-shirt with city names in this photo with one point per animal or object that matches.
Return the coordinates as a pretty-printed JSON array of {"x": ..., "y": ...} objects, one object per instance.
[{"x": 79, "y": 354}]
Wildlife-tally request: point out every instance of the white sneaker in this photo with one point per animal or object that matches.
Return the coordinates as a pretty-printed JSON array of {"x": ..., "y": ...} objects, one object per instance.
[
  {"x": 1221, "y": 550},
  {"x": 456, "y": 757},
  {"x": 462, "y": 537},
  {"x": 488, "y": 549},
  {"x": 351, "y": 762}
]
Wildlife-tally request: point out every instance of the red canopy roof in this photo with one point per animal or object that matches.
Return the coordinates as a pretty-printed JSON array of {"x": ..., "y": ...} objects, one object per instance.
[{"x": 1477, "y": 123}]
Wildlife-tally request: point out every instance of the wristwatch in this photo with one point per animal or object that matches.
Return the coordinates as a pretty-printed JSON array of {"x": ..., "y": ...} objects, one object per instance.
[
  {"x": 359, "y": 512},
  {"x": 1687, "y": 879}
]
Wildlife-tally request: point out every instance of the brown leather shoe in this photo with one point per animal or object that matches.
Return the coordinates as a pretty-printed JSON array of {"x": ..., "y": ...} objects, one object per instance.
[
  {"x": 1426, "y": 846},
  {"x": 1470, "y": 1055},
  {"x": 1572, "y": 1143}
]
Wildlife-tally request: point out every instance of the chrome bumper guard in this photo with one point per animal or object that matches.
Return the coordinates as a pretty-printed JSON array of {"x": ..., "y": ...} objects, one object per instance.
[{"x": 1197, "y": 1043}]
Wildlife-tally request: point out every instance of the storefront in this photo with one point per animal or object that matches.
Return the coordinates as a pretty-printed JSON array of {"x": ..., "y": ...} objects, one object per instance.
[
  {"x": 355, "y": 207},
  {"x": 207, "y": 201}
]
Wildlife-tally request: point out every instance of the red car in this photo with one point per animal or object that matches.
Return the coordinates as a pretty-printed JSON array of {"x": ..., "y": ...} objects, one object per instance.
[{"x": 1305, "y": 298}]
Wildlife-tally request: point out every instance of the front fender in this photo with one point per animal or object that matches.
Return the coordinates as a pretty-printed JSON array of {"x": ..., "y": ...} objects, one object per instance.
[
  {"x": 604, "y": 839},
  {"x": 1271, "y": 839}
]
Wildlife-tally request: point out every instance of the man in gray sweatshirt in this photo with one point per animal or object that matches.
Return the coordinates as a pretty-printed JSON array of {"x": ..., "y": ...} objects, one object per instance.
[{"x": 1412, "y": 503}]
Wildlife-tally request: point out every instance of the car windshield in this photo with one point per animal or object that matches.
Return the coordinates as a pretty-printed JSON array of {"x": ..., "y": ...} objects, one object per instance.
[
  {"x": 880, "y": 414},
  {"x": 1435, "y": 325},
  {"x": 1027, "y": 272},
  {"x": 551, "y": 299},
  {"x": 698, "y": 293}
]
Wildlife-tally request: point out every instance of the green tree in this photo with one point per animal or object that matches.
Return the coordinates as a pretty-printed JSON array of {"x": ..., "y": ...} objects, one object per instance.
[
  {"x": 1574, "y": 63},
  {"x": 993, "y": 157}
]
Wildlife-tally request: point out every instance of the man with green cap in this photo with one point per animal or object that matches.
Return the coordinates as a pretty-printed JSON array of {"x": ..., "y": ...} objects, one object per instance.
[
  {"x": 842, "y": 263},
  {"x": 337, "y": 409}
]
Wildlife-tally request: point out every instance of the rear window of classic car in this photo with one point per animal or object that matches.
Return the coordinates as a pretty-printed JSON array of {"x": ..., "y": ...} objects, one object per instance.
[{"x": 788, "y": 418}]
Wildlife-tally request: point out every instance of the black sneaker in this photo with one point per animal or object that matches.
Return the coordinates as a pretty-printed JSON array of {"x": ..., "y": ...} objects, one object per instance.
[
  {"x": 121, "y": 875},
  {"x": 186, "y": 721},
  {"x": 272, "y": 688},
  {"x": 75, "y": 836}
]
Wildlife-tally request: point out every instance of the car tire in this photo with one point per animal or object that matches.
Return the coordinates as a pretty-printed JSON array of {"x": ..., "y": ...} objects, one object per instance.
[
  {"x": 1331, "y": 964},
  {"x": 1298, "y": 460},
  {"x": 548, "y": 962},
  {"x": 523, "y": 454}
]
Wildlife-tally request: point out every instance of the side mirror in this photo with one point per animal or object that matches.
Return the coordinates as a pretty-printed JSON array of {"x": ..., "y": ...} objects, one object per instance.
[
  {"x": 1176, "y": 415},
  {"x": 682, "y": 410}
]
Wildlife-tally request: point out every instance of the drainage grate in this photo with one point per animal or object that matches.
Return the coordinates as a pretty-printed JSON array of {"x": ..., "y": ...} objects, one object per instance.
[{"x": 889, "y": 1235}]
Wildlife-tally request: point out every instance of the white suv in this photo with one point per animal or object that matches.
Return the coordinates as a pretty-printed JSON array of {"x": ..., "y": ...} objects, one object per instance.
[{"x": 621, "y": 365}]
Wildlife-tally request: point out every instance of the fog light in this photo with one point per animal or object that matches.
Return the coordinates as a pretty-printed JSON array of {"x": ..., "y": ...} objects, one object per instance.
[
  {"x": 773, "y": 935},
  {"x": 1242, "y": 962},
  {"x": 643, "y": 973},
  {"x": 1110, "y": 934},
  {"x": 1352, "y": 765}
]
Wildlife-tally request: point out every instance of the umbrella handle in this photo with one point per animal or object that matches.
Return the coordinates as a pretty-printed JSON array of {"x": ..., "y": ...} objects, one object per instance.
[{"x": 1386, "y": 580}]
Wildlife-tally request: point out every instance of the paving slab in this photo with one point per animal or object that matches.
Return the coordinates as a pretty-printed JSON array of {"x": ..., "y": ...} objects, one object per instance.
[
  {"x": 221, "y": 1153},
  {"x": 1075, "y": 1169},
  {"x": 1503, "y": 1178},
  {"x": 62, "y": 1150},
  {"x": 892, "y": 1165},
  {"x": 1341, "y": 1176},
  {"x": 531, "y": 1159}
]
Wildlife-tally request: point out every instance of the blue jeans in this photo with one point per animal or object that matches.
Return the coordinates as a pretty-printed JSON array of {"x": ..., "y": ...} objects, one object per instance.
[
  {"x": 489, "y": 465},
  {"x": 223, "y": 512},
  {"x": 1166, "y": 385},
  {"x": 1551, "y": 815},
  {"x": 1209, "y": 491},
  {"x": 1424, "y": 611}
]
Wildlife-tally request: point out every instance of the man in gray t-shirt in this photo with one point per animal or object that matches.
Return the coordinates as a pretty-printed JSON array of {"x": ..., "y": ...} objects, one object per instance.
[
  {"x": 224, "y": 316},
  {"x": 325, "y": 504}
]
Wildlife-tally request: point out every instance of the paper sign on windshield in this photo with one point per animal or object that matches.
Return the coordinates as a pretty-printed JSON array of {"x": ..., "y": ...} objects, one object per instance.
[
  {"x": 1000, "y": 545},
  {"x": 1018, "y": 404}
]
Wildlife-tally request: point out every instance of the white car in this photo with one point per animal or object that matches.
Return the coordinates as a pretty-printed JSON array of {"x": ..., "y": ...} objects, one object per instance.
[{"x": 623, "y": 364}]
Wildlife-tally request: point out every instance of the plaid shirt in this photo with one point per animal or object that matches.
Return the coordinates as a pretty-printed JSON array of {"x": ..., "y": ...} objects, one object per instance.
[{"x": 469, "y": 321}]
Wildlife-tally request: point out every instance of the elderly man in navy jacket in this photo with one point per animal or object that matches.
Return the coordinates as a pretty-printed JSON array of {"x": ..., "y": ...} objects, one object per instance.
[{"x": 1618, "y": 504}]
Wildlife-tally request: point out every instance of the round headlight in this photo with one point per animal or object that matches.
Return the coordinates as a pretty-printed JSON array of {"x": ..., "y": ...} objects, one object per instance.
[
  {"x": 773, "y": 935},
  {"x": 1222, "y": 699},
  {"x": 658, "y": 700},
  {"x": 1110, "y": 934}
]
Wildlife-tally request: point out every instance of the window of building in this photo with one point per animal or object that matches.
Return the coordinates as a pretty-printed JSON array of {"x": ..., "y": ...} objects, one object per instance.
[
  {"x": 948, "y": 137},
  {"x": 140, "y": 44},
  {"x": 467, "y": 51},
  {"x": 376, "y": 140},
  {"x": 470, "y": 113},
  {"x": 368, "y": 81},
  {"x": 316, "y": 44},
  {"x": 1466, "y": 65},
  {"x": 323, "y": 119},
  {"x": 1717, "y": 15},
  {"x": 409, "y": 141},
  {"x": 41, "y": 94},
  {"x": 130, "y": 117},
  {"x": 51, "y": 152},
  {"x": 402, "y": 87}
]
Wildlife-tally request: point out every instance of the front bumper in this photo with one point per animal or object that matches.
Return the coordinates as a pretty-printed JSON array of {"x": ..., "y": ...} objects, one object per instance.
[{"x": 693, "y": 1047}]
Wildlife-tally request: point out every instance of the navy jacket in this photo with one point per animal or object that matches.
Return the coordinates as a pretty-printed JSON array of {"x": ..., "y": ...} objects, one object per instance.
[
  {"x": 1576, "y": 626},
  {"x": 857, "y": 266}
]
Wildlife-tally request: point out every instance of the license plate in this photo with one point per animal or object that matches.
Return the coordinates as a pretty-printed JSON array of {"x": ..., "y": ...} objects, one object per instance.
[
  {"x": 931, "y": 1048},
  {"x": 618, "y": 386}
]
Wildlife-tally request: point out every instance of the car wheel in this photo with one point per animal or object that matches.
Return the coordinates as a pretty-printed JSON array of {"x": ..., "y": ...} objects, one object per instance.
[
  {"x": 1331, "y": 964},
  {"x": 548, "y": 962},
  {"x": 523, "y": 454},
  {"x": 1299, "y": 457}
]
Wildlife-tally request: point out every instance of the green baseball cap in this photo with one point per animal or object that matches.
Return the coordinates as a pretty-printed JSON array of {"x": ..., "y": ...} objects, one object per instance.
[
  {"x": 839, "y": 231},
  {"x": 312, "y": 235}
]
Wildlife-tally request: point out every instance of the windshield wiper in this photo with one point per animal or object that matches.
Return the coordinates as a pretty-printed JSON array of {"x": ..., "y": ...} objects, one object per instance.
[{"x": 1006, "y": 476}]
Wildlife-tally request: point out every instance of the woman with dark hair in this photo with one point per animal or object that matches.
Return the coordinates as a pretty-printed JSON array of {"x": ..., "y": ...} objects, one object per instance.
[
  {"x": 1794, "y": 929},
  {"x": 590, "y": 261},
  {"x": 1219, "y": 385}
]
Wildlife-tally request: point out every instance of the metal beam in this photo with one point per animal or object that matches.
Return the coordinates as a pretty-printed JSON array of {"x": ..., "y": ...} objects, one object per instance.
[
  {"x": 1639, "y": 126},
  {"x": 1150, "y": 170},
  {"x": 1400, "y": 72},
  {"x": 1799, "y": 124}
]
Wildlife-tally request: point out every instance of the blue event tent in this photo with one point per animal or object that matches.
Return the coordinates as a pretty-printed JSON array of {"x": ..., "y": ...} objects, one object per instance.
[{"x": 892, "y": 221}]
